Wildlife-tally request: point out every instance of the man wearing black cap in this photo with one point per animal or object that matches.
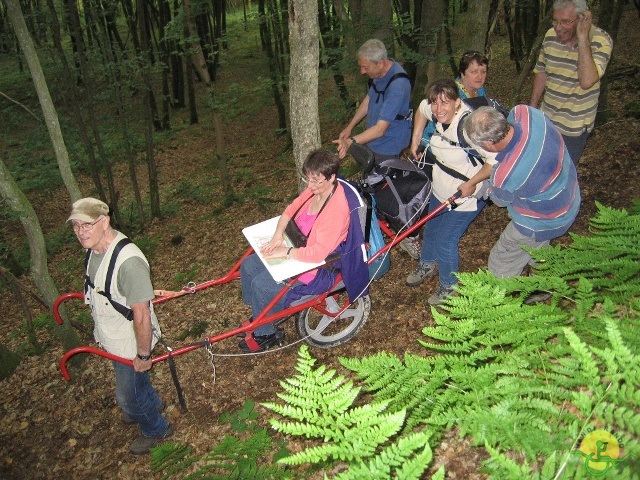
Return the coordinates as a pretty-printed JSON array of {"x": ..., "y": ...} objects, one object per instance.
[{"x": 118, "y": 289}]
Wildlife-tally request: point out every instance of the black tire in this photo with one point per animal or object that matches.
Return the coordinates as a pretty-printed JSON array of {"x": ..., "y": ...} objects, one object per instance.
[{"x": 335, "y": 332}]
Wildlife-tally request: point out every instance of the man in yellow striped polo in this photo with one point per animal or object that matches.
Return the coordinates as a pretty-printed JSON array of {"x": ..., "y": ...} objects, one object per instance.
[{"x": 572, "y": 60}]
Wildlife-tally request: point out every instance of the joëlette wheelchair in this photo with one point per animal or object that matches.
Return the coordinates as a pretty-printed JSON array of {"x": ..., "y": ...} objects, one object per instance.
[{"x": 324, "y": 321}]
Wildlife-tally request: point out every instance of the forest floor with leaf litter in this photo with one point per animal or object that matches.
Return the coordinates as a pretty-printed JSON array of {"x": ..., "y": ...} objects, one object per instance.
[{"x": 50, "y": 427}]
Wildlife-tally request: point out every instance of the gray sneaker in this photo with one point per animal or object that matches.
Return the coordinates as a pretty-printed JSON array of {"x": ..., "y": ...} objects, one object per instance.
[
  {"x": 420, "y": 274},
  {"x": 127, "y": 420},
  {"x": 412, "y": 246},
  {"x": 142, "y": 444},
  {"x": 441, "y": 295}
]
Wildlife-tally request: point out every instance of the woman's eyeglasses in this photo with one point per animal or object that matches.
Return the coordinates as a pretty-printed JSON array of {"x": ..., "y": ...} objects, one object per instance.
[{"x": 313, "y": 181}]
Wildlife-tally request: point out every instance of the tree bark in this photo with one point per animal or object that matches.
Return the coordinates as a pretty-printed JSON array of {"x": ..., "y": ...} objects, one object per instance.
[
  {"x": 19, "y": 203},
  {"x": 48, "y": 109},
  {"x": 304, "y": 38},
  {"x": 476, "y": 27},
  {"x": 431, "y": 43}
]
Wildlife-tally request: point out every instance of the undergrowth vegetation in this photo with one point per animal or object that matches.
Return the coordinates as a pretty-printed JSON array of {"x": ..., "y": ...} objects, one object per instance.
[{"x": 531, "y": 384}]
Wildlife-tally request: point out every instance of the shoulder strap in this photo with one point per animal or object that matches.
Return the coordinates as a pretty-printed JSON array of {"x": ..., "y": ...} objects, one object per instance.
[
  {"x": 474, "y": 156},
  {"x": 121, "y": 309},
  {"x": 112, "y": 264},
  {"x": 450, "y": 171},
  {"x": 393, "y": 77}
]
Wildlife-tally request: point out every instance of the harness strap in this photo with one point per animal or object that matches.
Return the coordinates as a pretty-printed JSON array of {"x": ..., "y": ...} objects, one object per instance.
[
  {"x": 450, "y": 171},
  {"x": 126, "y": 312},
  {"x": 409, "y": 116}
]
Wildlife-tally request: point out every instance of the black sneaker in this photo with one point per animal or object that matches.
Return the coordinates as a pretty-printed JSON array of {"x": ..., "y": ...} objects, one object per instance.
[
  {"x": 142, "y": 444},
  {"x": 263, "y": 342}
]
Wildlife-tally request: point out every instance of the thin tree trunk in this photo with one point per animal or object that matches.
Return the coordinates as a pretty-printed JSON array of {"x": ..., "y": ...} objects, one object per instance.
[
  {"x": 48, "y": 109},
  {"x": 200, "y": 64},
  {"x": 17, "y": 201},
  {"x": 304, "y": 38},
  {"x": 266, "y": 38},
  {"x": 93, "y": 167},
  {"x": 609, "y": 17},
  {"x": 150, "y": 111}
]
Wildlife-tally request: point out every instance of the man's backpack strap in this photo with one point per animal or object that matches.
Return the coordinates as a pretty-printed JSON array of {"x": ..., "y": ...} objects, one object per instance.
[
  {"x": 126, "y": 312},
  {"x": 409, "y": 116}
]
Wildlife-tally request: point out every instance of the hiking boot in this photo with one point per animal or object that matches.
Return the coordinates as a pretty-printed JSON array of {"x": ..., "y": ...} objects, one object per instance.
[
  {"x": 142, "y": 444},
  {"x": 412, "y": 246},
  {"x": 127, "y": 420},
  {"x": 263, "y": 342},
  {"x": 420, "y": 274},
  {"x": 537, "y": 297},
  {"x": 441, "y": 295}
]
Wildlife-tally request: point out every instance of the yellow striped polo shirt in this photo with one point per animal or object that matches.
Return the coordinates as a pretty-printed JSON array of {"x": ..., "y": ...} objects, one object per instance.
[{"x": 571, "y": 108}]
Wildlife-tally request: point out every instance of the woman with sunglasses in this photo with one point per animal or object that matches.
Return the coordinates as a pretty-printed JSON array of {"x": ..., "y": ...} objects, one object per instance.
[{"x": 321, "y": 212}]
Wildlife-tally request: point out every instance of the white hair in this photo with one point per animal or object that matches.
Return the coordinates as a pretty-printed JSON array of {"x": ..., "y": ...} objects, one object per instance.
[{"x": 580, "y": 5}]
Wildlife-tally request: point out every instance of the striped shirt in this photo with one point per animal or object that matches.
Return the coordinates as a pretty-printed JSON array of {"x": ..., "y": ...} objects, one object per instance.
[
  {"x": 571, "y": 108},
  {"x": 535, "y": 177}
]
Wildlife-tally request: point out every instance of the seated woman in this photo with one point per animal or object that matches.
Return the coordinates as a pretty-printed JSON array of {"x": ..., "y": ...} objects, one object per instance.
[
  {"x": 453, "y": 170},
  {"x": 322, "y": 213}
]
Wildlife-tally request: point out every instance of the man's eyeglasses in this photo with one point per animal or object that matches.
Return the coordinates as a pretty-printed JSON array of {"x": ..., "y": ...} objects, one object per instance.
[
  {"x": 313, "y": 181},
  {"x": 564, "y": 22},
  {"x": 85, "y": 227}
]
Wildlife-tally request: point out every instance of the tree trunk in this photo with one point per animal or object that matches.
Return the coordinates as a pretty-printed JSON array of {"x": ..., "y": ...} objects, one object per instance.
[
  {"x": 151, "y": 112},
  {"x": 477, "y": 24},
  {"x": 266, "y": 37},
  {"x": 304, "y": 38},
  {"x": 431, "y": 43},
  {"x": 48, "y": 109},
  {"x": 75, "y": 94},
  {"x": 609, "y": 17},
  {"x": 200, "y": 65},
  {"x": 17, "y": 201}
]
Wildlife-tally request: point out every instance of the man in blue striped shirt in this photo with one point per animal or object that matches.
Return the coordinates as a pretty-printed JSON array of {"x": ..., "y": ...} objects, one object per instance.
[{"x": 534, "y": 178}]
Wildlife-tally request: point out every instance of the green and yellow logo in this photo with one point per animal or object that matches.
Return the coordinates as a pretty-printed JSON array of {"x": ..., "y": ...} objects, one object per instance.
[{"x": 600, "y": 451}]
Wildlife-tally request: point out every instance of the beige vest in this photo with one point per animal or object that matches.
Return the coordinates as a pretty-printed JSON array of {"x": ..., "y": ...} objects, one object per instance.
[{"x": 112, "y": 331}]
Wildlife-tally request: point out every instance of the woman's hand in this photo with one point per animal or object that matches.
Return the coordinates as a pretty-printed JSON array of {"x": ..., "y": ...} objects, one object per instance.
[
  {"x": 277, "y": 252},
  {"x": 275, "y": 242}
]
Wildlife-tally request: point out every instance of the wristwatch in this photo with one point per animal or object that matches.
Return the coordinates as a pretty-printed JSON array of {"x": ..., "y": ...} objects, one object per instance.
[{"x": 144, "y": 358}]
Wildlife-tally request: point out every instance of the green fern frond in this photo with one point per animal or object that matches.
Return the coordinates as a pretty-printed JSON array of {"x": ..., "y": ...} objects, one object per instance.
[
  {"x": 400, "y": 454},
  {"x": 171, "y": 457}
]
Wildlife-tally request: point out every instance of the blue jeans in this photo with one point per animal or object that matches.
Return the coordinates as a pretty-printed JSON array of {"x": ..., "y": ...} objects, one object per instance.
[
  {"x": 441, "y": 237},
  {"x": 138, "y": 399},
  {"x": 575, "y": 146},
  {"x": 258, "y": 289}
]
